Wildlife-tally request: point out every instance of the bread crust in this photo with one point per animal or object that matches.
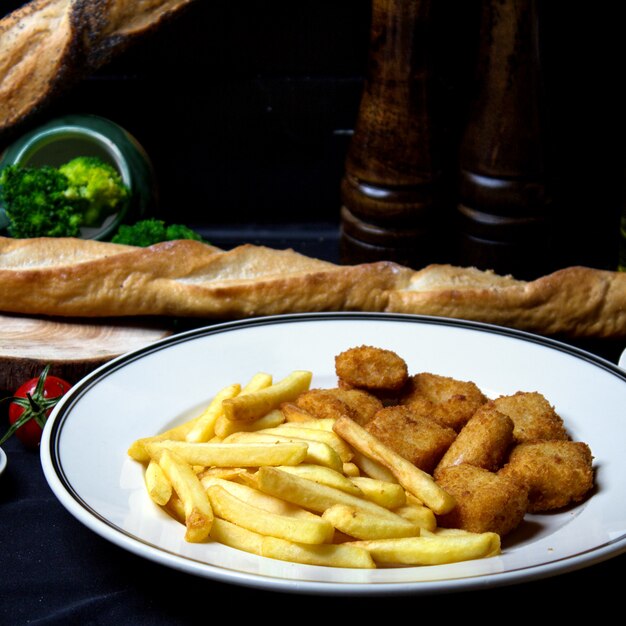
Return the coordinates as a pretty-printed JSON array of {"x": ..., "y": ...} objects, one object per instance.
[
  {"x": 86, "y": 278},
  {"x": 574, "y": 301},
  {"x": 70, "y": 277},
  {"x": 47, "y": 45}
]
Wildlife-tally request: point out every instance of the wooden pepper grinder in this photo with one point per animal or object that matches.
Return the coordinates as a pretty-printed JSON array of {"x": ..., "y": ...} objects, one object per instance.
[
  {"x": 392, "y": 190},
  {"x": 505, "y": 205}
]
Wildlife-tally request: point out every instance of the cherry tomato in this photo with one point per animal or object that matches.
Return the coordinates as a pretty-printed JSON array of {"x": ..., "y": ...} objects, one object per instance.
[{"x": 31, "y": 405}]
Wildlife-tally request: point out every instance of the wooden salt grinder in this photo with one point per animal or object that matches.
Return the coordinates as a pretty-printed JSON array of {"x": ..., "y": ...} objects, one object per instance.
[
  {"x": 505, "y": 206},
  {"x": 392, "y": 192}
]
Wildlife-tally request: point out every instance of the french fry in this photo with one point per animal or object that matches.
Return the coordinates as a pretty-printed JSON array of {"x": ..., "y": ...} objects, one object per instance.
[
  {"x": 324, "y": 476},
  {"x": 227, "y": 473},
  {"x": 389, "y": 495},
  {"x": 293, "y": 413},
  {"x": 408, "y": 475},
  {"x": 431, "y": 550},
  {"x": 351, "y": 469},
  {"x": 370, "y": 467},
  {"x": 195, "y": 501},
  {"x": 314, "y": 434},
  {"x": 331, "y": 555},
  {"x": 311, "y": 495},
  {"x": 157, "y": 484},
  {"x": 304, "y": 530},
  {"x": 418, "y": 514},
  {"x": 322, "y": 423},
  {"x": 235, "y": 536},
  {"x": 225, "y": 427},
  {"x": 261, "y": 380},
  {"x": 361, "y": 525},
  {"x": 250, "y": 406},
  {"x": 236, "y": 454},
  {"x": 204, "y": 428},
  {"x": 138, "y": 451},
  {"x": 318, "y": 452},
  {"x": 253, "y": 496},
  {"x": 175, "y": 508}
]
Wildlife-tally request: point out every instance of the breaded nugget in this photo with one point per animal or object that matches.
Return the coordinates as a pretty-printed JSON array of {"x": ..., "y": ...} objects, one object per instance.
[
  {"x": 370, "y": 368},
  {"x": 484, "y": 441},
  {"x": 364, "y": 404},
  {"x": 485, "y": 501},
  {"x": 418, "y": 439},
  {"x": 448, "y": 401},
  {"x": 323, "y": 403},
  {"x": 557, "y": 473},
  {"x": 533, "y": 416}
]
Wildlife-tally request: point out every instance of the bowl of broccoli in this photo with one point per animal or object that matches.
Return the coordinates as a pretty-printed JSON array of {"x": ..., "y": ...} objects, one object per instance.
[{"x": 77, "y": 176}]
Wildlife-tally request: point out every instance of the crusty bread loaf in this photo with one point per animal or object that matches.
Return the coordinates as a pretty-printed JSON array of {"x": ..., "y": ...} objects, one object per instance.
[
  {"x": 573, "y": 301},
  {"x": 75, "y": 277},
  {"x": 78, "y": 277},
  {"x": 46, "y": 45}
]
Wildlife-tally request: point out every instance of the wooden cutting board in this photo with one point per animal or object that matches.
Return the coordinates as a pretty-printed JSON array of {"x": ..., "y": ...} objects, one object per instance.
[{"x": 72, "y": 347}]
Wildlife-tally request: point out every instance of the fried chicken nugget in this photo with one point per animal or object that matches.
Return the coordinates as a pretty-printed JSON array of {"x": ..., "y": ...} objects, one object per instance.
[
  {"x": 357, "y": 404},
  {"x": 484, "y": 441},
  {"x": 533, "y": 416},
  {"x": 323, "y": 404},
  {"x": 448, "y": 401},
  {"x": 418, "y": 439},
  {"x": 485, "y": 501},
  {"x": 371, "y": 368},
  {"x": 364, "y": 404},
  {"x": 557, "y": 473}
]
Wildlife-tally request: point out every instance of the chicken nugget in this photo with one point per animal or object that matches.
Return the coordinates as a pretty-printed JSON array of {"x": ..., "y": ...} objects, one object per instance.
[
  {"x": 371, "y": 368},
  {"x": 557, "y": 473},
  {"x": 364, "y": 404},
  {"x": 418, "y": 439},
  {"x": 533, "y": 416},
  {"x": 484, "y": 441},
  {"x": 448, "y": 401},
  {"x": 323, "y": 403},
  {"x": 485, "y": 501}
]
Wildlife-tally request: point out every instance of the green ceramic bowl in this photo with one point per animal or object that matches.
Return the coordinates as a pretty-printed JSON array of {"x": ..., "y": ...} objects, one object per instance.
[{"x": 70, "y": 136}]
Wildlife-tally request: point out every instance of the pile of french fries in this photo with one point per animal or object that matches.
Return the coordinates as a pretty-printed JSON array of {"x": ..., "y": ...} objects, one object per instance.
[{"x": 254, "y": 473}]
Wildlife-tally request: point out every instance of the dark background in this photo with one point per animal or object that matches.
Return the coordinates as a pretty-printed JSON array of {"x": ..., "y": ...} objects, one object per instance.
[{"x": 246, "y": 109}]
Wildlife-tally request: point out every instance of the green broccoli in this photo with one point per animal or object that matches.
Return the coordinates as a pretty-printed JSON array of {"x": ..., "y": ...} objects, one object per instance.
[
  {"x": 150, "y": 231},
  {"x": 35, "y": 203},
  {"x": 48, "y": 201},
  {"x": 97, "y": 185}
]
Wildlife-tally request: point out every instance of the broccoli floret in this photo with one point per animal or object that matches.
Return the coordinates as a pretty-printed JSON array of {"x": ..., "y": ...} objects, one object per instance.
[
  {"x": 35, "y": 203},
  {"x": 150, "y": 231},
  {"x": 97, "y": 185}
]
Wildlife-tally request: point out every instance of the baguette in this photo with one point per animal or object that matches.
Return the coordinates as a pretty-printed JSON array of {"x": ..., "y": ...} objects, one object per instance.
[
  {"x": 86, "y": 278},
  {"x": 47, "y": 45}
]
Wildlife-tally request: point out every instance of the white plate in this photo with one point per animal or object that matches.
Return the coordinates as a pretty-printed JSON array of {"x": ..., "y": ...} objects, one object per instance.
[
  {"x": 85, "y": 441},
  {"x": 3, "y": 460}
]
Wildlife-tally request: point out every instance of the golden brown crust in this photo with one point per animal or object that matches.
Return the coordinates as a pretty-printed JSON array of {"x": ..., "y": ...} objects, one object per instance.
[
  {"x": 485, "y": 501},
  {"x": 574, "y": 301},
  {"x": 75, "y": 277},
  {"x": 556, "y": 472},
  {"x": 71, "y": 277},
  {"x": 38, "y": 46},
  {"x": 46, "y": 45},
  {"x": 484, "y": 441}
]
